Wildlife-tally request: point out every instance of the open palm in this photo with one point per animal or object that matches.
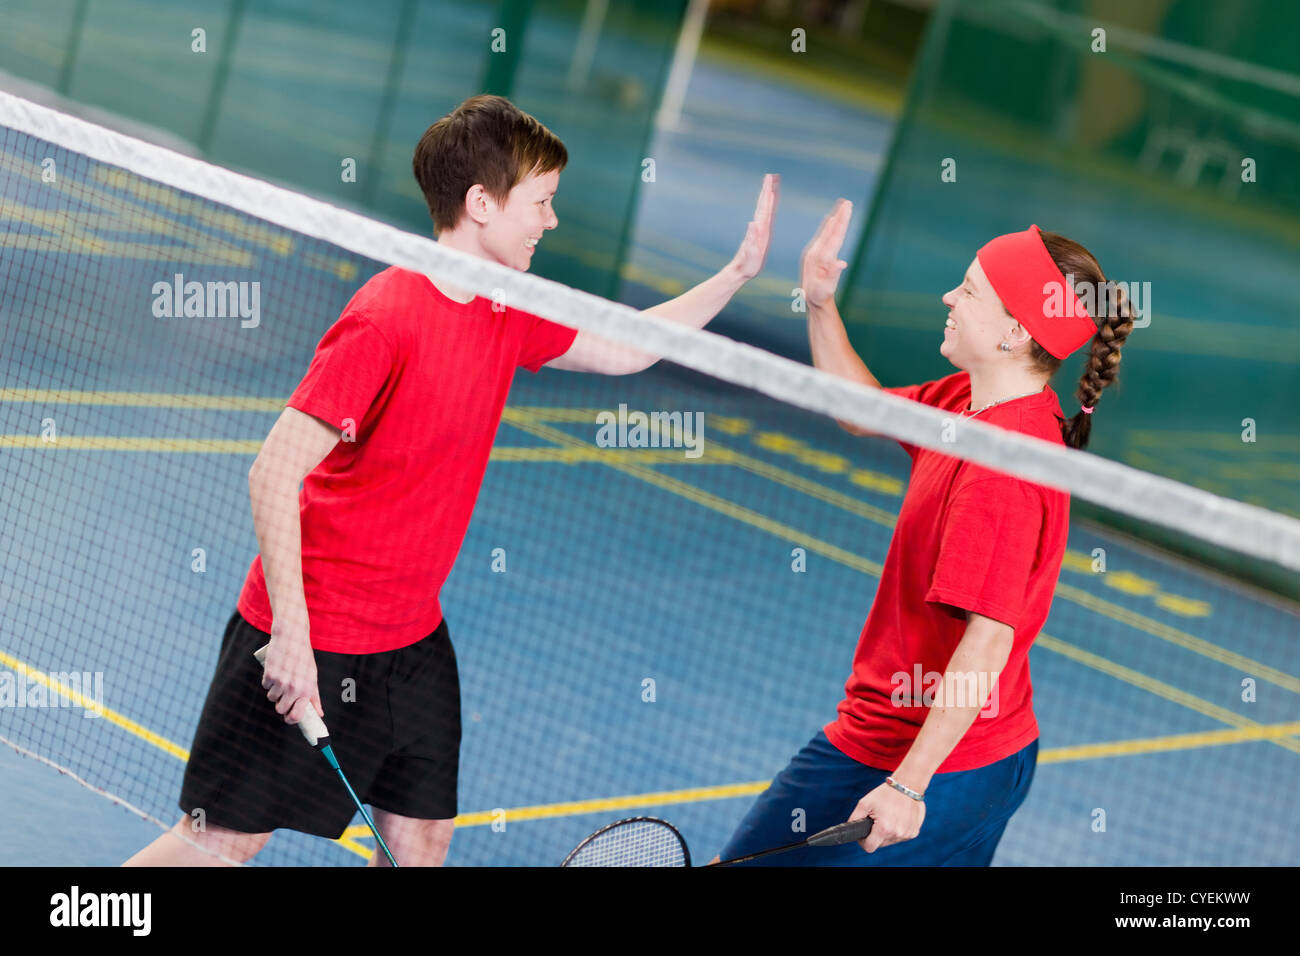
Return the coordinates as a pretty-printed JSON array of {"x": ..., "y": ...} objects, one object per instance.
[
  {"x": 751, "y": 255},
  {"x": 820, "y": 268}
]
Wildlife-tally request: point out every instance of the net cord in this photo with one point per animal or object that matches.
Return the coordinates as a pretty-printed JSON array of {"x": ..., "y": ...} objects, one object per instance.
[
  {"x": 1235, "y": 525},
  {"x": 115, "y": 799}
]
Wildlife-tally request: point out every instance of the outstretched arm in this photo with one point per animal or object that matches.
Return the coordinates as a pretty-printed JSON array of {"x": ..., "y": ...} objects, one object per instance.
[
  {"x": 819, "y": 274},
  {"x": 695, "y": 307},
  {"x": 969, "y": 681}
]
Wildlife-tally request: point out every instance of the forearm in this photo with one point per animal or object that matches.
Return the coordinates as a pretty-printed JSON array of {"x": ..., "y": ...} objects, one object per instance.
[
  {"x": 833, "y": 352},
  {"x": 974, "y": 665},
  {"x": 831, "y": 349},
  {"x": 698, "y": 305},
  {"x": 276, "y": 520},
  {"x": 693, "y": 308}
]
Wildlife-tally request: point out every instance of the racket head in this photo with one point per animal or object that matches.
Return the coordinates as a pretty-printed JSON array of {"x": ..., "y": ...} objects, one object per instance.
[{"x": 636, "y": 841}]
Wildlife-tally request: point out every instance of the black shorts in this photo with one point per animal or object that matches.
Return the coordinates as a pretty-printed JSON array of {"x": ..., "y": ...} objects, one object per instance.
[{"x": 394, "y": 724}]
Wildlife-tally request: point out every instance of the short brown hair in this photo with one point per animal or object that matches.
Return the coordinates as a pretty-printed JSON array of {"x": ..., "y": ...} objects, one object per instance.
[{"x": 489, "y": 141}]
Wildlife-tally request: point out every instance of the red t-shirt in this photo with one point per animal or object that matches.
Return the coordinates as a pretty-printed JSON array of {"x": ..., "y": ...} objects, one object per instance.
[
  {"x": 420, "y": 380},
  {"x": 967, "y": 539}
]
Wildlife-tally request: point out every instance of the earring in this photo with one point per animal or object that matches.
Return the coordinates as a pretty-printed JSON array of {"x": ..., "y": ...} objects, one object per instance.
[{"x": 1004, "y": 347}]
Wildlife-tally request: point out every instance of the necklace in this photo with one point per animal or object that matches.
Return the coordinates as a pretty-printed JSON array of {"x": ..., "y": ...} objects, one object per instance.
[{"x": 998, "y": 402}]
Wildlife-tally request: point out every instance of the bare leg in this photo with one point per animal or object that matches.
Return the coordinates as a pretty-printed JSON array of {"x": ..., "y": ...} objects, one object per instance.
[
  {"x": 412, "y": 842},
  {"x": 176, "y": 847}
]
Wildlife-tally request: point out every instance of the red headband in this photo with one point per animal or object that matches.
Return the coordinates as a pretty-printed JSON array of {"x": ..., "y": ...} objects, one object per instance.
[{"x": 1030, "y": 285}]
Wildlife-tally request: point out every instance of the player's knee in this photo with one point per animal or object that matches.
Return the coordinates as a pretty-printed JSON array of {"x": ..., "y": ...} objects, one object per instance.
[
  {"x": 432, "y": 834},
  {"x": 419, "y": 842},
  {"x": 231, "y": 844}
]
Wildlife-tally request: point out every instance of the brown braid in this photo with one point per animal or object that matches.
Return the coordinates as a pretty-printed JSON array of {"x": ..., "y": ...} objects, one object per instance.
[{"x": 1114, "y": 320}]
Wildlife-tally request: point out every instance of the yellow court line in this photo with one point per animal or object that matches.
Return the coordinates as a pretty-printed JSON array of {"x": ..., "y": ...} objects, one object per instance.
[
  {"x": 522, "y": 416},
  {"x": 106, "y": 713},
  {"x": 859, "y": 563},
  {"x": 273, "y": 239},
  {"x": 633, "y": 272},
  {"x": 554, "y": 413},
  {"x": 726, "y": 456},
  {"x": 578, "y": 807},
  {"x": 1083, "y": 598},
  {"x": 1118, "y": 748},
  {"x": 348, "y": 842},
  {"x": 217, "y": 446},
  {"x": 797, "y": 482},
  {"x": 129, "y": 725},
  {"x": 1196, "y": 645},
  {"x": 233, "y": 227},
  {"x": 1152, "y": 745},
  {"x": 222, "y": 446},
  {"x": 1247, "y": 727},
  {"x": 1246, "y": 731},
  {"x": 1202, "y": 440},
  {"x": 1070, "y": 593},
  {"x": 721, "y": 454},
  {"x": 85, "y": 230},
  {"x": 573, "y": 455},
  {"x": 712, "y": 501},
  {"x": 61, "y": 396},
  {"x": 1149, "y": 684},
  {"x": 210, "y": 249}
]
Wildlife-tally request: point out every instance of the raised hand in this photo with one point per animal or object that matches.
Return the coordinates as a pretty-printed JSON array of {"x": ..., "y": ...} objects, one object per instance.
[
  {"x": 749, "y": 258},
  {"x": 821, "y": 265}
]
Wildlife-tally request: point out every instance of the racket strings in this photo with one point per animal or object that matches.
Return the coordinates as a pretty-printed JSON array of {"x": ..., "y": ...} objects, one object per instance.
[{"x": 633, "y": 843}]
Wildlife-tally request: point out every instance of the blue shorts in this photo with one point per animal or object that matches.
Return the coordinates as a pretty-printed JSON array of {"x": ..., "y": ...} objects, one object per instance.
[{"x": 965, "y": 811}]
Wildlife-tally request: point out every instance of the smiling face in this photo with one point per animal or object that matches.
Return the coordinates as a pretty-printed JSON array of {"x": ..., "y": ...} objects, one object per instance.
[
  {"x": 510, "y": 231},
  {"x": 977, "y": 323}
]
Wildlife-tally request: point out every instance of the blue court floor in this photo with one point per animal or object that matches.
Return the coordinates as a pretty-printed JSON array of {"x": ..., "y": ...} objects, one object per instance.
[{"x": 1166, "y": 696}]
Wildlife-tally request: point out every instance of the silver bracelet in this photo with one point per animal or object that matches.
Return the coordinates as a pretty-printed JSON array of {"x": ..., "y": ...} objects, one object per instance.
[{"x": 902, "y": 789}]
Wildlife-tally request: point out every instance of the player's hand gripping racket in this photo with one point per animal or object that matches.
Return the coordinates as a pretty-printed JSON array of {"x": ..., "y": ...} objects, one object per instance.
[
  {"x": 649, "y": 841},
  {"x": 313, "y": 728}
]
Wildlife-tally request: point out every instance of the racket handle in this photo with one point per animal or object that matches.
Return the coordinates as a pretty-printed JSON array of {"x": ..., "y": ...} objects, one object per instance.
[
  {"x": 312, "y": 727},
  {"x": 842, "y": 833}
]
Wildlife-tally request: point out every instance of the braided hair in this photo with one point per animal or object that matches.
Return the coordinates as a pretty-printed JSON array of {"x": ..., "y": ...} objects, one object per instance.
[{"x": 1113, "y": 317}]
